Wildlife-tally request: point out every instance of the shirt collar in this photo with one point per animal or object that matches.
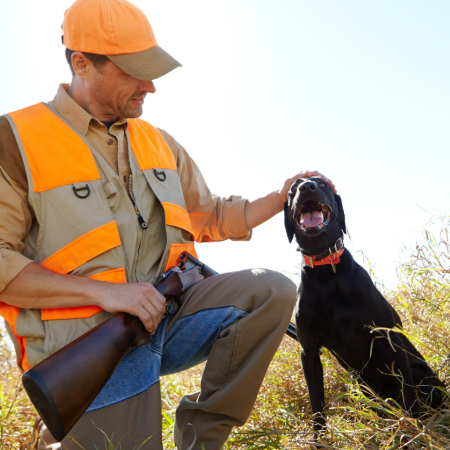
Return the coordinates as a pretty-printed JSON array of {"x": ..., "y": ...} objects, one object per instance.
[{"x": 78, "y": 117}]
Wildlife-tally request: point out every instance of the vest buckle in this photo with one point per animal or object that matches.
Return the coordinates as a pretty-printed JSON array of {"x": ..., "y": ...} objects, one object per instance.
[
  {"x": 160, "y": 175},
  {"x": 85, "y": 188}
]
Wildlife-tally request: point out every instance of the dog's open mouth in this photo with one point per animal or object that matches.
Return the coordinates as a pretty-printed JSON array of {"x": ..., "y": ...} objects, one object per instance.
[{"x": 312, "y": 214}]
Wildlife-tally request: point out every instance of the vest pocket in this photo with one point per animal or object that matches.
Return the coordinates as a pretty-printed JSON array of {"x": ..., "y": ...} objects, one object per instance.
[
  {"x": 176, "y": 216},
  {"x": 83, "y": 249}
]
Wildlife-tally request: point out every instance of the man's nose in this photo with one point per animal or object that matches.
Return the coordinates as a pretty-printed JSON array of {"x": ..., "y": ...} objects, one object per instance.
[
  {"x": 309, "y": 186},
  {"x": 147, "y": 86}
]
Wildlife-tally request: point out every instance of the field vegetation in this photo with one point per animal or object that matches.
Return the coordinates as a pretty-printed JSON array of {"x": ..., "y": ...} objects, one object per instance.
[{"x": 281, "y": 418}]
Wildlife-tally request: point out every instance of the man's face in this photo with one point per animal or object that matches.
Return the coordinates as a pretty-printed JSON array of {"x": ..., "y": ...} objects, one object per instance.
[{"x": 118, "y": 93}]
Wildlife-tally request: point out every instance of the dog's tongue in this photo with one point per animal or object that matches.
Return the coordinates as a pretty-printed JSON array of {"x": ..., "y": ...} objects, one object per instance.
[{"x": 313, "y": 219}]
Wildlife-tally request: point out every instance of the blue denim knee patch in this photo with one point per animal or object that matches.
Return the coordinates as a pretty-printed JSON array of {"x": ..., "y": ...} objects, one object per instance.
[
  {"x": 136, "y": 372},
  {"x": 187, "y": 344},
  {"x": 190, "y": 339}
]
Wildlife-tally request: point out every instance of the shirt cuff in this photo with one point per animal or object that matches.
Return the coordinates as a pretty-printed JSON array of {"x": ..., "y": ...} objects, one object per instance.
[{"x": 11, "y": 264}]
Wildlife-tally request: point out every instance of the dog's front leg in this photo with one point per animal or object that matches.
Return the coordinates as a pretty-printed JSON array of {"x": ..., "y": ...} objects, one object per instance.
[
  {"x": 404, "y": 378},
  {"x": 312, "y": 368}
]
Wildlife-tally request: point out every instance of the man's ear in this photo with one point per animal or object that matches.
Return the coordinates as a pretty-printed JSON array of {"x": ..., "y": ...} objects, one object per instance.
[
  {"x": 290, "y": 230},
  {"x": 341, "y": 214}
]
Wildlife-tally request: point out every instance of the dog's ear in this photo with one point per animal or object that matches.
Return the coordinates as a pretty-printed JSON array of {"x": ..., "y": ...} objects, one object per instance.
[
  {"x": 341, "y": 214},
  {"x": 290, "y": 230}
]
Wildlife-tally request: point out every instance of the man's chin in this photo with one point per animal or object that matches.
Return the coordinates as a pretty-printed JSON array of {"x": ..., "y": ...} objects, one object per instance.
[{"x": 132, "y": 113}]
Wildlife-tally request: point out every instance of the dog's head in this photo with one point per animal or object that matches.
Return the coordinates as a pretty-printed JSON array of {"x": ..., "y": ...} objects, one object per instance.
[{"x": 314, "y": 214}]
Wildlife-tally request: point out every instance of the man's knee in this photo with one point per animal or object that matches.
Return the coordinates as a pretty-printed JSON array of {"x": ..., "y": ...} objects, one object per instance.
[
  {"x": 271, "y": 288},
  {"x": 249, "y": 290}
]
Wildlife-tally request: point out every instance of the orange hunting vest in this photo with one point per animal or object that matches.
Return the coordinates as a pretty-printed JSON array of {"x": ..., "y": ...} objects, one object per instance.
[{"x": 77, "y": 206}]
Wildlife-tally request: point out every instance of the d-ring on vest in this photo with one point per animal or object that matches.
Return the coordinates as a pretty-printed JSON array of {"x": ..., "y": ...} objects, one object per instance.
[{"x": 87, "y": 241}]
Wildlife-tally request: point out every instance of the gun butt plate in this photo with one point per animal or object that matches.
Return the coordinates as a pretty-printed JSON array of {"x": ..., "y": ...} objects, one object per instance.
[{"x": 43, "y": 402}]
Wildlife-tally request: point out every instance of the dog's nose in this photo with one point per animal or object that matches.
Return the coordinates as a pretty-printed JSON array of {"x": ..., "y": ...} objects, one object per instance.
[{"x": 308, "y": 186}]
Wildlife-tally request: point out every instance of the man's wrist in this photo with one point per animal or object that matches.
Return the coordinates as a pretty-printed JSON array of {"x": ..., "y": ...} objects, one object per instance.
[
  {"x": 280, "y": 199},
  {"x": 97, "y": 292}
]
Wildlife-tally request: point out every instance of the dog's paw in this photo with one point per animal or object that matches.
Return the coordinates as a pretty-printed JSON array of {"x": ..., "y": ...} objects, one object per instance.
[{"x": 320, "y": 440}]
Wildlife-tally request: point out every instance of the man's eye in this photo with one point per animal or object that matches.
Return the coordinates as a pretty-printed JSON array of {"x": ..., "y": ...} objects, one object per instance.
[{"x": 322, "y": 184}]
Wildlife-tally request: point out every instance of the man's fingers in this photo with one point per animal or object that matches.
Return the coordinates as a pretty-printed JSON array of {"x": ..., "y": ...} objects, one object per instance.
[
  {"x": 153, "y": 293},
  {"x": 330, "y": 183},
  {"x": 139, "y": 299},
  {"x": 147, "y": 320},
  {"x": 155, "y": 305},
  {"x": 315, "y": 173}
]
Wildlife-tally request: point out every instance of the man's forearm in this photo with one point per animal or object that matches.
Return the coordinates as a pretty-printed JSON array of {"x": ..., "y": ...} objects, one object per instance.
[
  {"x": 264, "y": 208},
  {"x": 36, "y": 287}
]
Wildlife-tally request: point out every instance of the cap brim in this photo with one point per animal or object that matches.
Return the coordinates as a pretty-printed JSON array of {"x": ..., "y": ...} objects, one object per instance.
[{"x": 146, "y": 65}]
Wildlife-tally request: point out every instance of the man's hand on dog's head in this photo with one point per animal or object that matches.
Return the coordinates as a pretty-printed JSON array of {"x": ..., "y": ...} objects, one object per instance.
[
  {"x": 262, "y": 209},
  {"x": 305, "y": 174}
]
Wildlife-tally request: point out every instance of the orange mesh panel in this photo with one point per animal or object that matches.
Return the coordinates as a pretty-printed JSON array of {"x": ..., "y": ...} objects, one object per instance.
[
  {"x": 113, "y": 276},
  {"x": 149, "y": 146},
  {"x": 176, "y": 216},
  {"x": 57, "y": 156},
  {"x": 83, "y": 312},
  {"x": 83, "y": 249},
  {"x": 176, "y": 250}
]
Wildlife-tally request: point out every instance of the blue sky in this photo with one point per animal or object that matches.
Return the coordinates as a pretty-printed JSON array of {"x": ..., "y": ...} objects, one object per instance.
[{"x": 356, "y": 89}]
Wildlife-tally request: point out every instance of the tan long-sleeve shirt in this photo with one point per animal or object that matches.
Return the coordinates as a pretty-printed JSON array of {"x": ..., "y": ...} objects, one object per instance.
[{"x": 213, "y": 218}]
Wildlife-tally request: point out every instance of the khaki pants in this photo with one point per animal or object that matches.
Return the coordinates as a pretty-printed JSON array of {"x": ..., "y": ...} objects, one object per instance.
[{"x": 237, "y": 361}]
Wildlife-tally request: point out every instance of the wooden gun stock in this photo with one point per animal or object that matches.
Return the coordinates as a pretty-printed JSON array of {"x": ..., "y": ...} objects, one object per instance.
[{"x": 63, "y": 386}]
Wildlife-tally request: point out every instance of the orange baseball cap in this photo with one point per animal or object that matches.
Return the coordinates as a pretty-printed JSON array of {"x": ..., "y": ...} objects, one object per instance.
[{"x": 119, "y": 30}]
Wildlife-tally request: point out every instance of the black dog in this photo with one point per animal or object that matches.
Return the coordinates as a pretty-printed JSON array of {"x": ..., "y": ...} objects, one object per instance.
[{"x": 339, "y": 306}]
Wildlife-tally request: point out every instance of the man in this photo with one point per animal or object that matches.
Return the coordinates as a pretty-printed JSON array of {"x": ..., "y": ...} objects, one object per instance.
[{"x": 95, "y": 204}]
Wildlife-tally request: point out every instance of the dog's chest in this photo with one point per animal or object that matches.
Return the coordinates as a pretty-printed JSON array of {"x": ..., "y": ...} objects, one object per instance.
[{"x": 331, "y": 321}]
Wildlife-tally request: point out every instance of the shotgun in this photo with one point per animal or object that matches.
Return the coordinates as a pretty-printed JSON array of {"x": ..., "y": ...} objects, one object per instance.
[{"x": 61, "y": 392}]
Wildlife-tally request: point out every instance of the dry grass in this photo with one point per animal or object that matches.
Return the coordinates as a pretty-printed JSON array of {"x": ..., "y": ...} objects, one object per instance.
[
  {"x": 17, "y": 414},
  {"x": 281, "y": 418}
]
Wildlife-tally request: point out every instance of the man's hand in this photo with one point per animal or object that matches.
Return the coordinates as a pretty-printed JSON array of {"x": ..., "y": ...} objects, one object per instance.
[
  {"x": 138, "y": 299},
  {"x": 258, "y": 211},
  {"x": 306, "y": 174}
]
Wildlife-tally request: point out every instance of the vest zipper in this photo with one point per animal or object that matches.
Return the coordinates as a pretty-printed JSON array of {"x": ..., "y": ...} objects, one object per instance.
[
  {"x": 141, "y": 220},
  {"x": 142, "y": 223}
]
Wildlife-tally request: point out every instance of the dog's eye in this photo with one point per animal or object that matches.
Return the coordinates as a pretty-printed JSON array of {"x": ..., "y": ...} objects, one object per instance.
[
  {"x": 322, "y": 184},
  {"x": 293, "y": 188}
]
